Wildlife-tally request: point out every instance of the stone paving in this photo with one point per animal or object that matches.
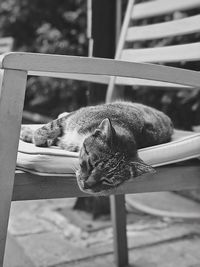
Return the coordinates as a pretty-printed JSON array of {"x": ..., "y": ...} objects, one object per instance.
[{"x": 48, "y": 238}]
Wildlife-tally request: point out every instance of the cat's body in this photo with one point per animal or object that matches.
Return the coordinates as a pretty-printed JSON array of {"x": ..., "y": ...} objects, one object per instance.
[{"x": 107, "y": 137}]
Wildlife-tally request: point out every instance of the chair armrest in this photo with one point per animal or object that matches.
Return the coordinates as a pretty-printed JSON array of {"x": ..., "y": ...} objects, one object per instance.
[{"x": 43, "y": 63}]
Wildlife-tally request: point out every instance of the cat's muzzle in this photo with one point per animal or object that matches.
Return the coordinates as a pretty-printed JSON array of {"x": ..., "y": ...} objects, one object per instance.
[{"x": 88, "y": 185}]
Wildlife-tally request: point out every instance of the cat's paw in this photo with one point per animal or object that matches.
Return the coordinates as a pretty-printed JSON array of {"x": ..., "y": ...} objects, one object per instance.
[
  {"x": 69, "y": 147},
  {"x": 40, "y": 138},
  {"x": 26, "y": 134}
]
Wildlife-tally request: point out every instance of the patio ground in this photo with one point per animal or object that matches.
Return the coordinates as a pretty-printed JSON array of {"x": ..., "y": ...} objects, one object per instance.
[{"x": 48, "y": 233}]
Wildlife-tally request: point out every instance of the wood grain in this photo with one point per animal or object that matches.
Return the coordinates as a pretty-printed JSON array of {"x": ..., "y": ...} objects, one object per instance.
[
  {"x": 11, "y": 104},
  {"x": 171, "y": 177},
  {"x": 97, "y": 66},
  {"x": 149, "y": 83},
  {"x": 118, "y": 214},
  {"x": 79, "y": 77}
]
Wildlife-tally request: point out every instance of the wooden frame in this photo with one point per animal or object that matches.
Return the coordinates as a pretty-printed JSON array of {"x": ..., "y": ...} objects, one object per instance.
[{"x": 11, "y": 104}]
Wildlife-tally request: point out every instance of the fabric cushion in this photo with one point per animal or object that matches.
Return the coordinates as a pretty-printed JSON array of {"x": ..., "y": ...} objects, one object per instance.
[{"x": 55, "y": 161}]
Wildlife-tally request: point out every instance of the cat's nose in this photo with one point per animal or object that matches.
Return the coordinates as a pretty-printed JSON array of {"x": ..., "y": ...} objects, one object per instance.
[
  {"x": 86, "y": 185},
  {"x": 89, "y": 183}
]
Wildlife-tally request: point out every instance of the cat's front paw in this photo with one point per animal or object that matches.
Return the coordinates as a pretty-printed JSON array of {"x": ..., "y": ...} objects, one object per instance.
[
  {"x": 69, "y": 147},
  {"x": 26, "y": 134}
]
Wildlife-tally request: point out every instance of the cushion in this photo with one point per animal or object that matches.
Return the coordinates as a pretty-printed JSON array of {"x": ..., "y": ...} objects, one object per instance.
[{"x": 57, "y": 162}]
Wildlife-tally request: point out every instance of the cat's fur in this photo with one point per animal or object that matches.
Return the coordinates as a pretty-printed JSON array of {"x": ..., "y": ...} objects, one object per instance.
[{"x": 107, "y": 137}]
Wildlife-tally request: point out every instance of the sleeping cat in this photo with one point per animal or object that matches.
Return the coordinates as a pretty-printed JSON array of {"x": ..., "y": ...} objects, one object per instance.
[{"x": 107, "y": 137}]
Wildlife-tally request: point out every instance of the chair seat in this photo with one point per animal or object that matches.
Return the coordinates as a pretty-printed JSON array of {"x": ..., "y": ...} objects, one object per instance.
[{"x": 54, "y": 161}]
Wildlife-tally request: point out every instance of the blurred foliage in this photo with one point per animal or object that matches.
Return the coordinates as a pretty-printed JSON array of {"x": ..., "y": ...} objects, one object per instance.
[{"x": 48, "y": 26}]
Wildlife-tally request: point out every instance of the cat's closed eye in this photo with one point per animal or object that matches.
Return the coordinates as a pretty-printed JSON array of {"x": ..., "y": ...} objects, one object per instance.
[
  {"x": 107, "y": 181},
  {"x": 89, "y": 164},
  {"x": 83, "y": 165},
  {"x": 86, "y": 165},
  {"x": 86, "y": 151}
]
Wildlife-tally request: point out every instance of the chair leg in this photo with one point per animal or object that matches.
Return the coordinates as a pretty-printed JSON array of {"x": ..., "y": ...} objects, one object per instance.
[
  {"x": 118, "y": 213},
  {"x": 12, "y": 91},
  {"x": 4, "y": 215}
]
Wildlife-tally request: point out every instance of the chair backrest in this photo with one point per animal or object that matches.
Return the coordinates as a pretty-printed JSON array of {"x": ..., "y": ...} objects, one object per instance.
[
  {"x": 160, "y": 42},
  {"x": 6, "y": 44},
  {"x": 166, "y": 42}
]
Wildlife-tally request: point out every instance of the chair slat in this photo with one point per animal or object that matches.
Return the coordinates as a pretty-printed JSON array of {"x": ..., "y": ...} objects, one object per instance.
[
  {"x": 71, "y": 64},
  {"x": 175, "y": 53},
  {"x": 161, "y": 7},
  {"x": 29, "y": 186},
  {"x": 79, "y": 77},
  {"x": 148, "y": 83},
  {"x": 165, "y": 29}
]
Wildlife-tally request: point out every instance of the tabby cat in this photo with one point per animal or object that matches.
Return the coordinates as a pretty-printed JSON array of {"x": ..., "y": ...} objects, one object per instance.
[{"x": 107, "y": 137}]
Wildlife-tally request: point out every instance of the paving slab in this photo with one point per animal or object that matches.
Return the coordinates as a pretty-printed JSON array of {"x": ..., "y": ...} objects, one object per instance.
[
  {"x": 182, "y": 253},
  {"x": 49, "y": 238},
  {"x": 48, "y": 249},
  {"x": 15, "y": 255}
]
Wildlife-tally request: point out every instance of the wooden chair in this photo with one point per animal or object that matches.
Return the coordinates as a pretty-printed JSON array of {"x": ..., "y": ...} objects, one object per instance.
[{"x": 14, "y": 68}]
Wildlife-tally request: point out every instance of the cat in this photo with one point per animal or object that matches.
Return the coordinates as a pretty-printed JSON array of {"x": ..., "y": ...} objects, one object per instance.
[{"x": 107, "y": 137}]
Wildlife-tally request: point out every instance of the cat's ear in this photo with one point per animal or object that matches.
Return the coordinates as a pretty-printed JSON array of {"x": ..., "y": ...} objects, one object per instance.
[
  {"x": 139, "y": 167},
  {"x": 107, "y": 130}
]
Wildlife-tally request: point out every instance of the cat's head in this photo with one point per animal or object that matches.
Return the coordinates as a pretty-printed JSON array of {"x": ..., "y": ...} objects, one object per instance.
[{"x": 107, "y": 159}]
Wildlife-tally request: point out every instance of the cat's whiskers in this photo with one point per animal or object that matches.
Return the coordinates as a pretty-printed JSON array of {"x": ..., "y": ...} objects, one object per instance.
[{"x": 74, "y": 168}]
